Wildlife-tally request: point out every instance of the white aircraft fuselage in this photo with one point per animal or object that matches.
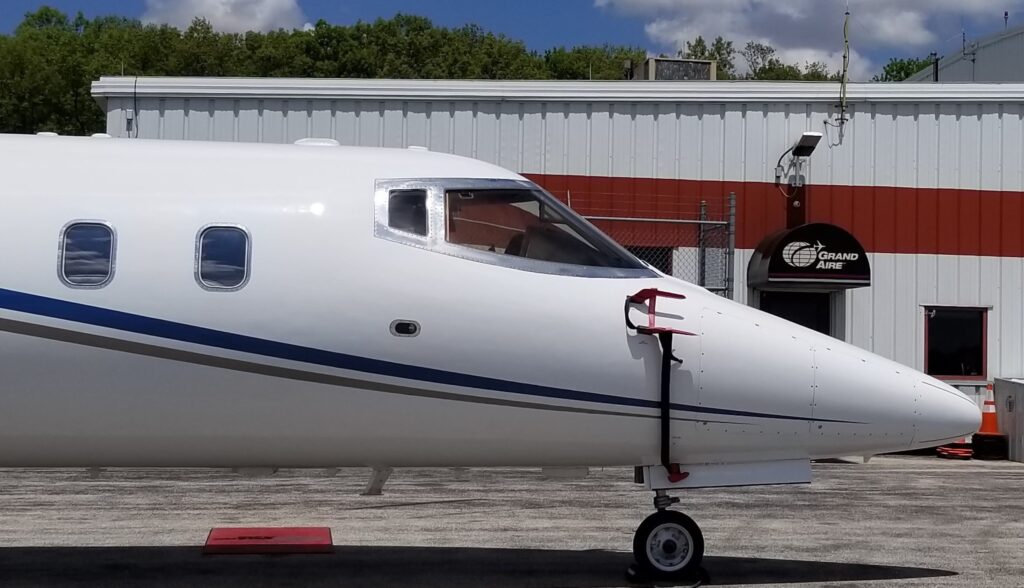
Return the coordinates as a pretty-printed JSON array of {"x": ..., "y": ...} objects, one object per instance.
[
  {"x": 386, "y": 307},
  {"x": 300, "y": 367}
]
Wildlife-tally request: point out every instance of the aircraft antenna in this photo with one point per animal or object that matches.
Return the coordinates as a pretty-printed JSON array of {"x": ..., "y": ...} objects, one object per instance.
[
  {"x": 841, "y": 119},
  {"x": 846, "y": 62}
]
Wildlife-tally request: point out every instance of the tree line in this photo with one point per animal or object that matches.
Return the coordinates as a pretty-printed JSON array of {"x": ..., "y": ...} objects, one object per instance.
[
  {"x": 49, "y": 62},
  {"x": 764, "y": 63}
]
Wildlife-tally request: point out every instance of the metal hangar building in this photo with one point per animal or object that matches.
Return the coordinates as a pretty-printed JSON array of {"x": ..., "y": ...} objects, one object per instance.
[
  {"x": 900, "y": 232},
  {"x": 998, "y": 57}
]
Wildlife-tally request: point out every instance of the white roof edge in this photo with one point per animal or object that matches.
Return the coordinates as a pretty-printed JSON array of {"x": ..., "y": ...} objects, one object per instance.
[{"x": 550, "y": 91}]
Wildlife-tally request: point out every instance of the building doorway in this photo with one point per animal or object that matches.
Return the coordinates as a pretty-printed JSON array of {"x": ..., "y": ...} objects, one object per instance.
[{"x": 810, "y": 309}]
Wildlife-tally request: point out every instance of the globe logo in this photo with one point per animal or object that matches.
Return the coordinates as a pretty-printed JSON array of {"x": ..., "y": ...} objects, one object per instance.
[{"x": 800, "y": 254}]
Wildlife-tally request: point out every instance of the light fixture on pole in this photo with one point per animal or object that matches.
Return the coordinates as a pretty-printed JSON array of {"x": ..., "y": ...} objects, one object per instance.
[{"x": 799, "y": 152}]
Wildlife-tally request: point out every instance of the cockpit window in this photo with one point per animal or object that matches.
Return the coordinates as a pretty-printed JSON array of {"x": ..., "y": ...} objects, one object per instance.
[
  {"x": 407, "y": 211},
  {"x": 529, "y": 224}
]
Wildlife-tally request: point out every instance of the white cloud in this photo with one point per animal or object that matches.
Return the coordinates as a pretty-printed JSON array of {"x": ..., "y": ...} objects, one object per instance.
[
  {"x": 812, "y": 30},
  {"x": 234, "y": 16}
]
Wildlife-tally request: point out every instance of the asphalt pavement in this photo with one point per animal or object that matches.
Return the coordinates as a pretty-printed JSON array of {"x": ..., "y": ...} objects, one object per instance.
[{"x": 896, "y": 521}]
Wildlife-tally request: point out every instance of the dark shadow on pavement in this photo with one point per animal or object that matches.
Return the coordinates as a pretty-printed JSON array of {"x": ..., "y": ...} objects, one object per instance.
[{"x": 393, "y": 566}]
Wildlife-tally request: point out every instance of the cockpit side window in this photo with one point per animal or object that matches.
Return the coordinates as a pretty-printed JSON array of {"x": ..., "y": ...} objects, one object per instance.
[
  {"x": 509, "y": 223},
  {"x": 528, "y": 224},
  {"x": 407, "y": 211}
]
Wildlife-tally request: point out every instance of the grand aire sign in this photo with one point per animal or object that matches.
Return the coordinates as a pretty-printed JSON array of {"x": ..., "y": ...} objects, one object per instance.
[{"x": 812, "y": 254}]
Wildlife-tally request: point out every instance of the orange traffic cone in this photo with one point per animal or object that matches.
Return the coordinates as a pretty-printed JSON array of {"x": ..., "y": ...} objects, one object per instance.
[
  {"x": 988, "y": 443},
  {"x": 989, "y": 419}
]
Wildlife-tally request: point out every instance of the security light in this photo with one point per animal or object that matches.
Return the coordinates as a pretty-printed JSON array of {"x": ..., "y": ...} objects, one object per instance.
[
  {"x": 800, "y": 151},
  {"x": 806, "y": 144}
]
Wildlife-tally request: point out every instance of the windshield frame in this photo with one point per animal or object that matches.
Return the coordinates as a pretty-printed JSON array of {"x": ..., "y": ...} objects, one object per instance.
[{"x": 437, "y": 239}]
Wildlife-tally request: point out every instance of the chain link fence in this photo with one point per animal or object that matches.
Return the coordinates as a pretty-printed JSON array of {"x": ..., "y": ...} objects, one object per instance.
[{"x": 689, "y": 238}]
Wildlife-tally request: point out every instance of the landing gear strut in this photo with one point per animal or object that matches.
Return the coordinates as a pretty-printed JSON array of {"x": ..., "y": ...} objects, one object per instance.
[{"x": 668, "y": 544}]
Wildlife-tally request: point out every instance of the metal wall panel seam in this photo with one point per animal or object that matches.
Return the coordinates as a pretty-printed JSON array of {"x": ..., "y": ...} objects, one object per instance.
[
  {"x": 566, "y": 143},
  {"x": 381, "y": 110},
  {"x": 743, "y": 141},
  {"x": 632, "y": 139},
  {"x": 700, "y": 140},
  {"x": 655, "y": 145},
  {"x": 499, "y": 133},
  {"x": 521, "y": 142},
  {"x": 208, "y": 120},
  {"x": 259, "y": 121},
  {"x": 334, "y": 120},
  {"x": 590, "y": 137},
  {"x": 309, "y": 119},
  {"x": 723, "y": 138},
  {"x": 236, "y": 112},
  {"x": 677, "y": 122},
  {"x": 611, "y": 138},
  {"x": 428, "y": 113},
  {"x": 285, "y": 120},
  {"x": 474, "y": 130},
  {"x": 186, "y": 112}
]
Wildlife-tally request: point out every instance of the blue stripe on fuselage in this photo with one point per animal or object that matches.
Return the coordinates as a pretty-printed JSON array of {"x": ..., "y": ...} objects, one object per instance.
[{"x": 154, "y": 327}]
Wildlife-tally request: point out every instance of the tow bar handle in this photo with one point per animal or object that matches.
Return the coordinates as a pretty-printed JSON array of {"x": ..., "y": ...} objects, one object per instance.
[
  {"x": 650, "y": 297},
  {"x": 664, "y": 334}
]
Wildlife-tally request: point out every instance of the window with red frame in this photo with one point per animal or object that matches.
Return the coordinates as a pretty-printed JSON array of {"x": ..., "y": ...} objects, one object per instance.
[{"x": 955, "y": 342}]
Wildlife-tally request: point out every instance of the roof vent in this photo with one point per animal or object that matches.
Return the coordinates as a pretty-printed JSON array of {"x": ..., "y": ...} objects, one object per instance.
[
  {"x": 100, "y": 136},
  {"x": 418, "y": 148},
  {"x": 46, "y": 134},
  {"x": 317, "y": 142}
]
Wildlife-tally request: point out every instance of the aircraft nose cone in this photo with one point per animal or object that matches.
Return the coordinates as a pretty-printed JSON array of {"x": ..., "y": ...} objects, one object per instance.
[{"x": 944, "y": 415}]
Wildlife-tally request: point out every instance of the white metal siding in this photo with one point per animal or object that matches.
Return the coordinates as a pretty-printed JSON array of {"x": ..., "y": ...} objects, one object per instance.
[{"x": 972, "y": 146}]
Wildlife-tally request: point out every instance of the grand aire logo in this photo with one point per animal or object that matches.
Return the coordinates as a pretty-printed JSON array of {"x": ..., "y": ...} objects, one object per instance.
[{"x": 804, "y": 255}]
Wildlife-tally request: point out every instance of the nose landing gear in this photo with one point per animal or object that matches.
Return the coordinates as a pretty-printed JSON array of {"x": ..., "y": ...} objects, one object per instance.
[{"x": 668, "y": 544}]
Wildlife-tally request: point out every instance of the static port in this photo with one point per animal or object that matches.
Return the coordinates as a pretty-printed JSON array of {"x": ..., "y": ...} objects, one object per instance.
[{"x": 405, "y": 328}]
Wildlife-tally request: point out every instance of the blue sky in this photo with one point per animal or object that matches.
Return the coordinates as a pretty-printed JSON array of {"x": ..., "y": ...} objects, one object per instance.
[
  {"x": 576, "y": 22},
  {"x": 801, "y": 30}
]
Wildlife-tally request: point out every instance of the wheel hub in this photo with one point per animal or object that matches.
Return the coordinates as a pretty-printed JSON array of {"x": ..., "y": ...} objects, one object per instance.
[{"x": 669, "y": 546}]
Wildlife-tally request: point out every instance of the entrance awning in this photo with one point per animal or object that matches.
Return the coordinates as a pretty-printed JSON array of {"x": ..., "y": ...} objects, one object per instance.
[{"x": 815, "y": 255}]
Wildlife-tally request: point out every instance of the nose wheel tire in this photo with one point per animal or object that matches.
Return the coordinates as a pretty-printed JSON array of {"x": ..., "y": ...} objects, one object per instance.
[{"x": 668, "y": 544}]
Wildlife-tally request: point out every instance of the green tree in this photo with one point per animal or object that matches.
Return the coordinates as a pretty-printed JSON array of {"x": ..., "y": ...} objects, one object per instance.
[
  {"x": 46, "y": 18},
  {"x": 720, "y": 50},
  {"x": 899, "y": 69},
  {"x": 763, "y": 63},
  {"x": 816, "y": 71},
  {"x": 205, "y": 52},
  {"x": 607, "y": 62},
  {"x": 45, "y": 76},
  {"x": 760, "y": 58}
]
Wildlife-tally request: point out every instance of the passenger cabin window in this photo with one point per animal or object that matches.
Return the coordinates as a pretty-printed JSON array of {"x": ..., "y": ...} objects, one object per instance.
[
  {"x": 222, "y": 258},
  {"x": 87, "y": 255},
  {"x": 528, "y": 224},
  {"x": 955, "y": 342},
  {"x": 407, "y": 211}
]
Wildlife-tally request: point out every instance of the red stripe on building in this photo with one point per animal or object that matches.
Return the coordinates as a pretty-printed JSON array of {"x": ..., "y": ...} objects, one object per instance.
[{"x": 884, "y": 219}]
